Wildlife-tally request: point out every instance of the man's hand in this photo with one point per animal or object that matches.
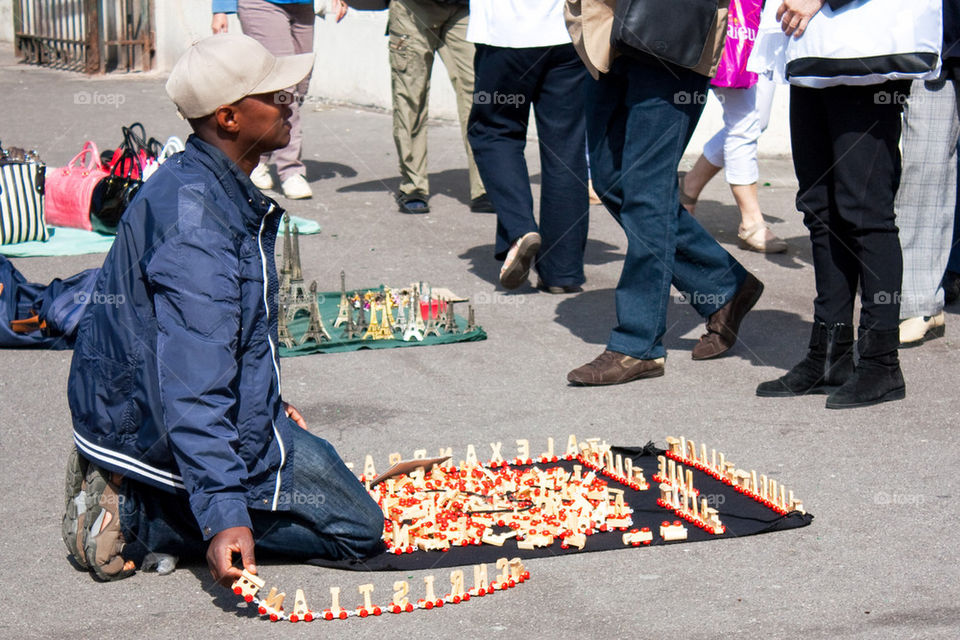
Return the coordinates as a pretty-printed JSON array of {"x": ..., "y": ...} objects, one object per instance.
[
  {"x": 294, "y": 415},
  {"x": 221, "y": 550},
  {"x": 794, "y": 15},
  {"x": 219, "y": 24},
  {"x": 338, "y": 8}
]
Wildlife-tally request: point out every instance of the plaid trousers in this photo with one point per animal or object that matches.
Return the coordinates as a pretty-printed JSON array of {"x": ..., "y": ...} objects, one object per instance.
[{"x": 927, "y": 196}]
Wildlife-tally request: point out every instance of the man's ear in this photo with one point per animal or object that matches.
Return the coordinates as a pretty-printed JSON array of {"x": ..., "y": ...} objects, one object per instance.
[{"x": 228, "y": 118}]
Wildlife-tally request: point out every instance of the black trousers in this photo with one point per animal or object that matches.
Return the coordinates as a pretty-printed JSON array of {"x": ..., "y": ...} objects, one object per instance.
[
  {"x": 845, "y": 153},
  {"x": 551, "y": 79}
]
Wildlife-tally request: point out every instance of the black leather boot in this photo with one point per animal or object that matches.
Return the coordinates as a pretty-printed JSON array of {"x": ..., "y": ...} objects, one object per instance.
[
  {"x": 877, "y": 377},
  {"x": 827, "y": 365}
]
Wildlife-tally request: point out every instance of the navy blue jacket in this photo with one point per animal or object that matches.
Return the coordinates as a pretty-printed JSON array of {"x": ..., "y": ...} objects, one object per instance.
[
  {"x": 175, "y": 380},
  {"x": 951, "y": 30}
]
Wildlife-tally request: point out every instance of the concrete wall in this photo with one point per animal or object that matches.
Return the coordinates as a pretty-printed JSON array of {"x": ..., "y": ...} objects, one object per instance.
[
  {"x": 6, "y": 20},
  {"x": 352, "y": 65}
]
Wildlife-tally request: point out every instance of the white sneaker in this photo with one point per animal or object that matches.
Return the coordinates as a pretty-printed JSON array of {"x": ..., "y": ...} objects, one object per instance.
[
  {"x": 261, "y": 178},
  {"x": 915, "y": 331},
  {"x": 296, "y": 188}
]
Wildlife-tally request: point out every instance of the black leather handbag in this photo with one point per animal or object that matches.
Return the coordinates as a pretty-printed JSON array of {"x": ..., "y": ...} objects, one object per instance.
[
  {"x": 113, "y": 193},
  {"x": 675, "y": 31}
]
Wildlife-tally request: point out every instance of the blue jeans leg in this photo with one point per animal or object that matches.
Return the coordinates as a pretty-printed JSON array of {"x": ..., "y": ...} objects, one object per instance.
[
  {"x": 328, "y": 513},
  {"x": 639, "y": 120}
]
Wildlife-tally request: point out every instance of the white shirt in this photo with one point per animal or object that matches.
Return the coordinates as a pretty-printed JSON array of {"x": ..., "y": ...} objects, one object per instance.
[{"x": 517, "y": 23}]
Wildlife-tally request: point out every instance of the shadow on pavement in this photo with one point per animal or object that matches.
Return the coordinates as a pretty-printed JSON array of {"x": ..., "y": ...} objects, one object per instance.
[
  {"x": 317, "y": 170},
  {"x": 452, "y": 182}
]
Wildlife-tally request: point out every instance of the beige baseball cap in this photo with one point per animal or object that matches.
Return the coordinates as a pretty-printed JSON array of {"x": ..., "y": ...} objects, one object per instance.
[{"x": 226, "y": 67}]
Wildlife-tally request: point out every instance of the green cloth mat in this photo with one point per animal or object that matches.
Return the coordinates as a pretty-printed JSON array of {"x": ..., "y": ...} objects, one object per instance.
[
  {"x": 329, "y": 309},
  {"x": 65, "y": 241}
]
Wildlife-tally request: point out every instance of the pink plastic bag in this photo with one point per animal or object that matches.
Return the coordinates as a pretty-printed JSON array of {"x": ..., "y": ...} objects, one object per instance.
[{"x": 742, "y": 24}]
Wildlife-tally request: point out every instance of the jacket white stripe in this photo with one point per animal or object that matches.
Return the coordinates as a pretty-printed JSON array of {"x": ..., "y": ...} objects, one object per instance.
[
  {"x": 126, "y": 462},
  {"x": 273, "y": 355}
]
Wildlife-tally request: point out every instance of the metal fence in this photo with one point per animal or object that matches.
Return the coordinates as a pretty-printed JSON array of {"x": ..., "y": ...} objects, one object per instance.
[{"x": 93, "y": 36}]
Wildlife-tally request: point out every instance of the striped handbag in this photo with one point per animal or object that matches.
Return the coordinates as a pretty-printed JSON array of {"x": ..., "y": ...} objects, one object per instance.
[{"x": 21, "y": 197}]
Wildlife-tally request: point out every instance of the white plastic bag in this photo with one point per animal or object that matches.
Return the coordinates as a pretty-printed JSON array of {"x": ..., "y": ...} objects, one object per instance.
[{"x": 867, "y": 42}]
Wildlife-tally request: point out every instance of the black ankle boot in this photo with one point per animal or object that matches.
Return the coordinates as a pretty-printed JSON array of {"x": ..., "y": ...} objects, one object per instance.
[
  {"x": 877, "y": 377},
  {"x": 827, "y": 365}
]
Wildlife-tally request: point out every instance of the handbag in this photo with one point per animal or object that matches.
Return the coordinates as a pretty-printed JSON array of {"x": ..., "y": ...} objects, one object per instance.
[
  {"x": 868, "y": 42},
  {"x": 174, "y": 145},
  {"x": 675, "y": 31},
  {"x": 69, "y": 189},
  {"x": 743, "y": 21},
  {"x": 113, "y": 194},
  {"x": 21, "y": 197},
  {"x": 135, "y": 146}
]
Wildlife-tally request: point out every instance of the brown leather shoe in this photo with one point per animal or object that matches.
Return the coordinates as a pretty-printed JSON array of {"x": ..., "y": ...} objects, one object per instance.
[
  {"x": 724, "y": 324},
  {"x": 611, "y": 367}
]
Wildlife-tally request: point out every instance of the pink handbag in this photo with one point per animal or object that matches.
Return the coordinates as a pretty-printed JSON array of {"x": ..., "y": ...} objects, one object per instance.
[
  {"x": 70, "y": 188},
  {"x": 743, "y": 21}
]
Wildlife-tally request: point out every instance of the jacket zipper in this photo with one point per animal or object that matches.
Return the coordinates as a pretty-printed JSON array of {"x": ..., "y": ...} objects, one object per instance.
[{"x": 273, "y": 353}]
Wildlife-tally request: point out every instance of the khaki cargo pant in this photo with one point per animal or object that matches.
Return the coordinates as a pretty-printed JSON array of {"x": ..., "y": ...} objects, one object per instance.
[{"x": 419, "y": 29}]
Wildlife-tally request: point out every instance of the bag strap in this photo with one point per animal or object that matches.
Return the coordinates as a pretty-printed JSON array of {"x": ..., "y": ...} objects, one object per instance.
[{"x": 88, "y": 158}]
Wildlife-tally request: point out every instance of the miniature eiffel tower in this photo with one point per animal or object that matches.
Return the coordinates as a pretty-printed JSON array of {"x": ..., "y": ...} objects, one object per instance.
[
  {"x": 373, "y": 329},
  {"x": 344, "y": 313},
  {"x": 471, "y": 321},
  {"x": 386, "y": 323},
  {"x": 361, "y": 324},
  {"x": 417, "y": 313},
  {"x": 286, "y": 263},
  {"x": 450, "y": 320},
  {"x": 298, "y": 299},
  {"x": 283, "y": 331},
  {"x": 350, "y": 333},
  {"x": 432, "y": 327},
  {"x": 388, "y": 319},
  {"x": 315, "y": 331},
  {"x": 412, "y": 331},
  {"x": 401, "y": 320}
]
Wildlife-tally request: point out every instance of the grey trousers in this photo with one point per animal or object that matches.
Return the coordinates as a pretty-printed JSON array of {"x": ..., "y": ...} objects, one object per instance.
[
  {"x": 285, "y": 30},
  {"x": 926, "y": 199}
]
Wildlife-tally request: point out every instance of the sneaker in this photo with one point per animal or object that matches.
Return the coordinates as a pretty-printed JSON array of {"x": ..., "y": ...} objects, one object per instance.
[
  {"x": 567, "y": 288},
  {"x": 482, "y": 204},
  {"x": 75, "y": 507},
  {"x": 261, "y": 178},
  {"x": 916, "y": 331},
  {"x": 516, "y": 266},
  {"x": 296, "y": 188},
  {"x": 612, "y": 367},
  {"x": 103, "y": 537}
]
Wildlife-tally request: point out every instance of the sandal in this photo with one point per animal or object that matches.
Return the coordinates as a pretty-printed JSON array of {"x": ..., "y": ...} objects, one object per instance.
[
  {"x": 415, "y": 202},
  {"x": 104, "y": 541},
  {"x": 759, "y": 238},
  {"x": 75, "y": 508},
  {"x": 686, "y": 201}
]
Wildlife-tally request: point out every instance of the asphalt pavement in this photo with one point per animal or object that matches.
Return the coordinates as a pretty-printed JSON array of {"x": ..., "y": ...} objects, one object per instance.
[{"x": 879, "y": 560}]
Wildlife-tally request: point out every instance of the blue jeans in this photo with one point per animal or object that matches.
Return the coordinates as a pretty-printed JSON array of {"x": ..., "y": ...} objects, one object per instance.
[
  {"x": 330, "y": 513},
  {"x": 551, "y": 79},
  {"x": 639, "y": 120}
]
